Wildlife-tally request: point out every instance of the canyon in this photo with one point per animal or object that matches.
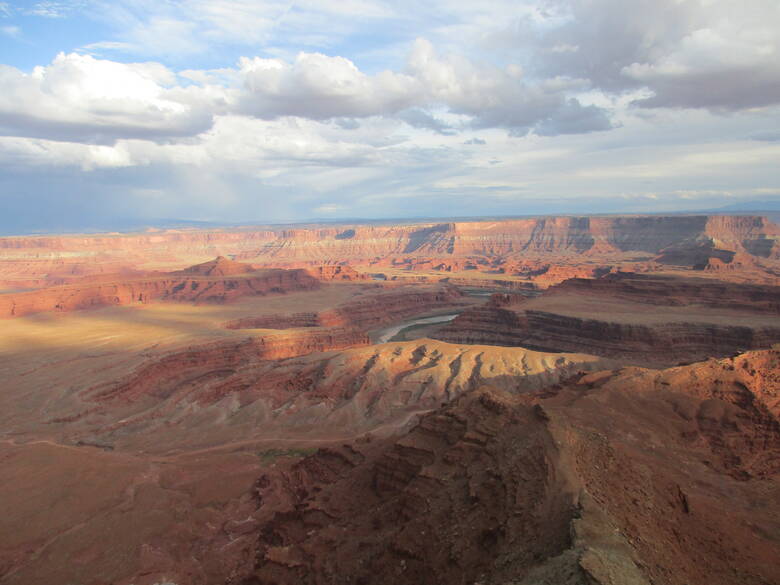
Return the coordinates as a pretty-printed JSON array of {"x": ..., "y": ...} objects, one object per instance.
[
  {"x": 211, "y": 282},
  {"x": 580, "y": 483},
  {"x": 534, "y": 401},
  {"x": 643, "y": 319},
  {"x": 522, "y": 250}
]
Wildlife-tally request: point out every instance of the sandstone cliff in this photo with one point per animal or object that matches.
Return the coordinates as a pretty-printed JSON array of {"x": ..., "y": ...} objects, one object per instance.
[
  {"x": 445, "y": 247},
  {"x": 642, "y": 319},
  {"x": 657, "y": 290}
]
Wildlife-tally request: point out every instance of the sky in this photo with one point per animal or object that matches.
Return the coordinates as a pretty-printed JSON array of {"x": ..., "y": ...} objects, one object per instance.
[{"x": 118, "y": 113}]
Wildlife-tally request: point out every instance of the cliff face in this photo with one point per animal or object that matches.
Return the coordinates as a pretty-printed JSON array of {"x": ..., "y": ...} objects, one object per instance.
[
  {"x": 756, "y": 235},
  {"x": 488, "y": 245},
  {"x": 372, "y": 308},
  {"x": 531, "y": 237},
  {"x": 333, "y": 272},
  {"x": 650, "y": 290},
  {"x": 208, "y": 286},
  {"x": 382, "y": 307},
  {"x": 487, "y": 324},
  {"x": 614, "y": 477},
  {"x": 660, "y": 343},
  {"x": 604, "y": 317}
]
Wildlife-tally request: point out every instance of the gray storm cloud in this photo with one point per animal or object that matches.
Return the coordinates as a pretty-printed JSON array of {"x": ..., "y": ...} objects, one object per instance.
[{"x": 373, "y": 108}]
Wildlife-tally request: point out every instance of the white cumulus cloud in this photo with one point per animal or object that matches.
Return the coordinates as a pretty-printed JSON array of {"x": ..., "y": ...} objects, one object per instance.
[{"x": 80, "y": 98}]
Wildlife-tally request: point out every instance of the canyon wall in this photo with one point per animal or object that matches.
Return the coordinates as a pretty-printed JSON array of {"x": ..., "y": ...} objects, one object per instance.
[
  {"x": 373, "y": 310},
  {"x": 639, "y": 318},
  {"x": 374, "y": 307},
  {"x": 688, "y": 240},
  {"x": 668, "y": 342},
  {"x": 530, "y": 237},
  {"x": 180, "y": 287},
  {"x": 191, "y": 370},
  {"x": 651, "y": 344},
  {"x": 656, "y": 290}
]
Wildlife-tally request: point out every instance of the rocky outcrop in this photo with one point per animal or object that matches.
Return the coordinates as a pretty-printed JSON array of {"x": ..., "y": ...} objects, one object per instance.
[
  {"x": 220, "y": 266},
  {"x": 471, "y": 491},
  {"x": 487, "y": 324},
  {"x": 379, "y": 307},
  {"x": 668, "y": 342},
  {"x": 216, "y": 282},
  {"x": 546, "y": 274},
  {"x": 374, "y": 307},
  {"x": 613, "y": 477},
  {"x": 615, "y": 327},
  {"x": 577, "y": 244},
  {"x": 282, "y": 385},
  {"x": 755, "y": 235},
  {"x": 658, "y": 290},
  {"x": 336, "y": 272},
  {"x": 197, "y": 368}
]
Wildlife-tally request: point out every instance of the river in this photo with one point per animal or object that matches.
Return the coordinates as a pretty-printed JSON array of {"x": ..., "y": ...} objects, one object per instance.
[{"x": 386, "y": 334}]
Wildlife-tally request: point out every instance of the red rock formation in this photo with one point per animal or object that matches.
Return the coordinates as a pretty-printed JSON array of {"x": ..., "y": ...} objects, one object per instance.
[
  {"x": 506, "y": 299},
  {"x": 470, "y": 488},
  {"x": 330, "y": 272},
  {"x": 617, "y": 477},
  {"x": 657, "y": 290},
  {"x": 313, "y": 395},
  {"x": 378, "y": 308},
  {"x": 373, "y": 308},
  {"x": 214, "y": 282},
  {"x": 615, "y": 328},
  {"x": 438, "y": 464},
  {"x": 755, "y": 235},
  {"x": 445, "y": 247},
  {"x": 664, "y": 343},
  {"x": 182, "y": 372},
  {"x": 220, "y": 266}
]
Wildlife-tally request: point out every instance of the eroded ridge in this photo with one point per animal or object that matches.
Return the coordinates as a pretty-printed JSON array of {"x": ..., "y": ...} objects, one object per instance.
[
  {"x": 617, "y": 477},
  {"x": 646, "y": 320}
]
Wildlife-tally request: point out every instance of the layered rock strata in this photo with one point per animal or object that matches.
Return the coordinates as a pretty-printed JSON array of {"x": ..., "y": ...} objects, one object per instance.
[
  {"x": 641, "y": 319},
  {"x": 271, "y": 393},
  {"x": 374, "y": 307},
  {"x": 214, "y": 282},
  {"x": 500, "y": 246},
  {"x": 616, "y": 477},
  {"x": 657, "y": 290}
]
